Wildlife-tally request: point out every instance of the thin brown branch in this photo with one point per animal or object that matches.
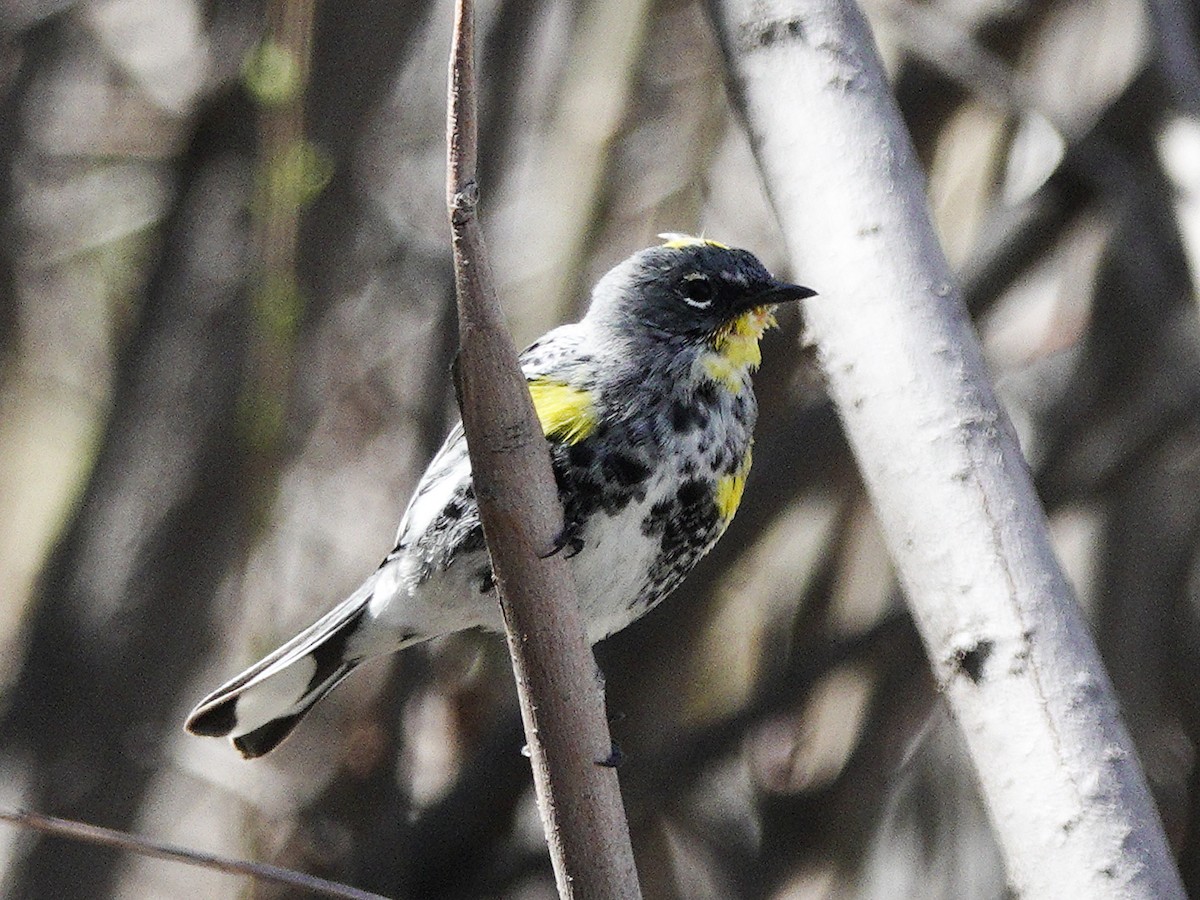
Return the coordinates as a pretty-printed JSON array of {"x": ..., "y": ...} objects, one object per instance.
[
  {"x": 562, "y": 704},
  {"x": 120, "y": 840}
]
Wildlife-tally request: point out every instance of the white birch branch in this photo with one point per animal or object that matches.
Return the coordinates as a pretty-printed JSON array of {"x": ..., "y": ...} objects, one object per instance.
[{"x": 1006, "y": 639}]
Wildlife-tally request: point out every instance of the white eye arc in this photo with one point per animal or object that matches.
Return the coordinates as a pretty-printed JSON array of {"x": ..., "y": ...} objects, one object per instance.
[{"x": 697, "y": 290}]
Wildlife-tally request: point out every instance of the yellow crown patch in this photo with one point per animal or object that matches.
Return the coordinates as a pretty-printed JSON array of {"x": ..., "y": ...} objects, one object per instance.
[{"x": 675, "y": 240}]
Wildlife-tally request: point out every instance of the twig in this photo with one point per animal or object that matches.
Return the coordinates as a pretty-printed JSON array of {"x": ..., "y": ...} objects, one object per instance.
[
  {"x": 120, "y": 840},
  {"x": 953, "y": 50},
  {"x": 1006, "y": 639},
  {"x": 562, "y": 705}
]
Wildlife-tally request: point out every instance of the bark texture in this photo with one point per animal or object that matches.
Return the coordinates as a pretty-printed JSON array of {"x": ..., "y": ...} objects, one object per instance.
[{"x": 1006, "y": 639}]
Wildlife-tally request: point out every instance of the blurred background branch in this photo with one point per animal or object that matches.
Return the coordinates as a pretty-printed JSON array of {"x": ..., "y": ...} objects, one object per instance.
[{"x": 119, "y": 840}]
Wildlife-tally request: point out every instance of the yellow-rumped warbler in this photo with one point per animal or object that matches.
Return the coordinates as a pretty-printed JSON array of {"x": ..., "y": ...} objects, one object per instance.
[{"x": 648, "y": 408}]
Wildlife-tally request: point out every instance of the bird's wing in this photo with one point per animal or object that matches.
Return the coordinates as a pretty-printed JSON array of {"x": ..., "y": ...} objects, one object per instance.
[
  {"x": 554, "y": 366},
  {"x": 448, "y": 469}
]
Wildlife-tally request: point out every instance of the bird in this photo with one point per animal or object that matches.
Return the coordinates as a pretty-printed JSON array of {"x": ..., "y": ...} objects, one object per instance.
[{"x": 648, "y": 409}]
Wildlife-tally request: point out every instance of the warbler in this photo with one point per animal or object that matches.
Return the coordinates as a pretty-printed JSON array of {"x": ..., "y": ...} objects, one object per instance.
[{"x": 648, "y": 409}]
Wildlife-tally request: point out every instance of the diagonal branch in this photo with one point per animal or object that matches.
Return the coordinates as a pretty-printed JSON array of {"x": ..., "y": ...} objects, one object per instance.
[
  {"x": 1006, "y": 639},
  {"x": 120, "y": 840},
  {"x": 562, "y": 705}
]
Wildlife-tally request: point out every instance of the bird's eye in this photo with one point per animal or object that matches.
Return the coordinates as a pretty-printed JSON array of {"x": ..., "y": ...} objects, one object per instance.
[{"x": 698, "y": 291}]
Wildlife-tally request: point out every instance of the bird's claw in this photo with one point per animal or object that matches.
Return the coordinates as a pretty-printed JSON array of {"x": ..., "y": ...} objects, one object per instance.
[
  {"x": 615, "y": 758},
  {"x": 564, "y": 540}
]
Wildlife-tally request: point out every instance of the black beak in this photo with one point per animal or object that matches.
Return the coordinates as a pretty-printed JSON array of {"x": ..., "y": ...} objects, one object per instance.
[{"x": 782, "y": 292}]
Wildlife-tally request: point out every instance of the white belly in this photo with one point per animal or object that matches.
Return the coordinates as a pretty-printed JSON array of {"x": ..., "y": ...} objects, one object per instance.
[
  {"x": 610, "y": 570},
  {"x": 609, "y": 573}
]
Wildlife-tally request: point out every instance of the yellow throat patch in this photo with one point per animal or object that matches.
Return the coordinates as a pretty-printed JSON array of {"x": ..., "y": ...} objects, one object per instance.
[
  {"x": 566, "y": 413},
  {"x": 735, "y": 347}
]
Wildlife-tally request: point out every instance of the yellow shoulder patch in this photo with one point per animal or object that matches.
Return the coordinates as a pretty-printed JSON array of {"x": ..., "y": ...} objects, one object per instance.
[
  {"x": 730, "y": 488},
  {"x": 566, "y": 413},
  {"x": 674, "y": 240}
]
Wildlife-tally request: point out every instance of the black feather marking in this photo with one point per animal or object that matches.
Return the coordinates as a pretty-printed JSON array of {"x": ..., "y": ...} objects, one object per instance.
[
  {"x": 686, "y": 416},
  {"x": 267, "y": 737},
  {"x": 655, "y": 521},
  {"x": 692, "y": 492},
  {"x": 486, "y": 579},
  {"x": 707, "y": 393},
  {"x": 626, "y": 469},
  {"x": 215, "y": 721},
  {"x": 330, "y": 655},
  {"x": 581, "y": 454},
  {"x": 231, "y": 687},
  {"x": 474, "y": 540}
]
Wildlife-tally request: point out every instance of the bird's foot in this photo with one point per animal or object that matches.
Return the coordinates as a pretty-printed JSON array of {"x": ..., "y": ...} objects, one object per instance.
[{"x": 564, "y": 540}]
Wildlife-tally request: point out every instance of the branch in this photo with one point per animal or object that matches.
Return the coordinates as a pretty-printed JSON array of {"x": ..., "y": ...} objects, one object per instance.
[
  {"x": 562, "y": 705},
  {"x": 1178, "y": 54},
  {"x": 120, "y": 840},
  {"x": 1008, "y": 644}
]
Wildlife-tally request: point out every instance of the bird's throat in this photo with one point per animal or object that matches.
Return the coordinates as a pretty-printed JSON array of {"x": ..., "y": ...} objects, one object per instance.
[{"x": 733, "y": 351}]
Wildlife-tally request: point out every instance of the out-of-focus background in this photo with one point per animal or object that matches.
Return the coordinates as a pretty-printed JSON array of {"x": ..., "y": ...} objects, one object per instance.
[{"x": 225, "y": 325}]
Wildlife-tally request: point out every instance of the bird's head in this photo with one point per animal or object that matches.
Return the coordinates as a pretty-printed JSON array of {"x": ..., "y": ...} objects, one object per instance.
[{"x": 694, "y": 289}]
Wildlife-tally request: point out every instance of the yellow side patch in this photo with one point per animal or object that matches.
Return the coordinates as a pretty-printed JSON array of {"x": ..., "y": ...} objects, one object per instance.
[
  {"x": 729, "y": 490},
  {"x": 566, "y": 412},
  {"x": 673, "y": 240}
]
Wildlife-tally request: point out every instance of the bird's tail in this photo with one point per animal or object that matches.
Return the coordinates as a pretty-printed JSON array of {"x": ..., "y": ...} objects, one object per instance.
[{"x": 260, "y": 707}]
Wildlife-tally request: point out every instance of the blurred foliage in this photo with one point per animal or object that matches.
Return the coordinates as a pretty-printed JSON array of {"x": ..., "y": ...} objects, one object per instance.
[
  {"x": 297, "y": 175},
  {"x": 272, "y": 74},
  {"x": 226, "y": 319}
]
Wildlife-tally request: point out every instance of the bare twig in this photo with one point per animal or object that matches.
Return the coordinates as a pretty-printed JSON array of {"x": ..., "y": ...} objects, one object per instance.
[
  {"x": 1007, "y": 641},
  {"x": 953, "y": 50},
  {"x": 562, "y": 705},
  {"x": 120, "y": 840}
]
